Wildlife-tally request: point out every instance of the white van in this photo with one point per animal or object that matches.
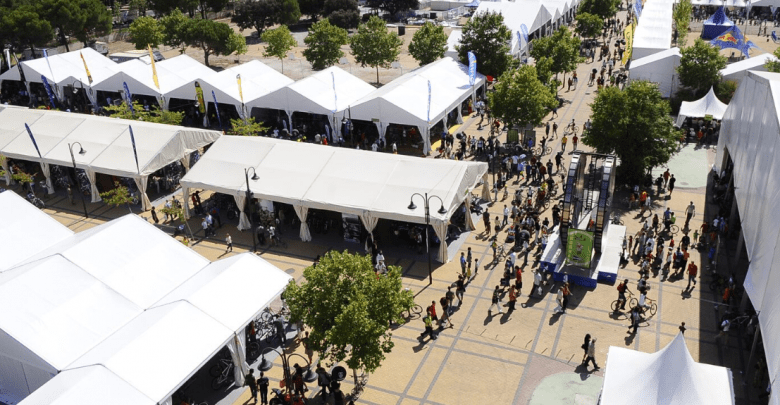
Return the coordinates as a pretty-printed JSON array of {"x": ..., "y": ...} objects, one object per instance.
[{"x": 120, "y": 57}]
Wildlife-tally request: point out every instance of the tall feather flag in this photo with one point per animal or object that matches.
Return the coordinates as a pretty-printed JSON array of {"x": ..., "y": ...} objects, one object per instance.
[
  {"x": 129, "y": 97},
  {"x": 89, "y": 76},
  {"x": 154, "y": 68},
  {"x": 49, "y": 91},
  {"x": 135, "y": 153},
  {"x": 216, "y": 106},
  {"x": 472, "y": 68}
]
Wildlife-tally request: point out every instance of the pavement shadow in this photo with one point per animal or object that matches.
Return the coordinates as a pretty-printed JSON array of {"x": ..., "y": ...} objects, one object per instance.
[
  {"x": 554, "y": 318},
  {"x": 583, "y": 371},
  {"x": 489, "y": 318}
]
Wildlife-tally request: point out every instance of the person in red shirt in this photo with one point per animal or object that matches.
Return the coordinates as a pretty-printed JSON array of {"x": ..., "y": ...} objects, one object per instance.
[
  {"x": 574, "y": 140},
  {"x": 693, "y": 270},
  {"x": 432, "y": 311}
]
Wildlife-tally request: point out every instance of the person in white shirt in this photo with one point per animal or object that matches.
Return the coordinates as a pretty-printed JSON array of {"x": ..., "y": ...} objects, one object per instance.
[
  {"x": 374, "y": 147},
  {"x": 229, "y": 242}
]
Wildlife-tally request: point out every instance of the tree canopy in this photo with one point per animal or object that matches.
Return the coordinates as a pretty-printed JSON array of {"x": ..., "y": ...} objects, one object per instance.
[
  {"x": 681, "y": 14},
  {"x": 602, "y": 8},
  {"x": 323, "y": 44},
  {"x": 487, "y": 37},
  {"x": 700, "y": 66},
  {"x": 278, "y": 41},
  {"x": 82, "y": 19},
  {"x": 258, "y": 14},
  {"x": 214, "y": 38},
  {"x": 634, "y": 124},
  {"x": 23, "y": 27},
  {"x": 250, "y": 127},
  {"x": 117, "y": 196},
  {"x": 774, "y": 66},
  {"x": 589, "y": 25},
  {"x": 349, "y": 308},
  {"x": 342, "y": 13},
  {"x": 174, "y": 28},
  {"x": 155, "y": 114},
  {"x": 373, "y": 45},
  {"x": 519, "y": 97},
  {"x": 146, "y": 31},
  {"x": 428, "y": 44},
  {"x": 289, "y": 13},
  {"x": 562, "y": 47},
  {"x": 394, "y": 7}
]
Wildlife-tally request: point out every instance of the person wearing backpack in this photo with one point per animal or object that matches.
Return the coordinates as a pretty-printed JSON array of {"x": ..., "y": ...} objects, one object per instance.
[
  {"x": 323, "y": 380},
  {"x": 622, "y": 288}
]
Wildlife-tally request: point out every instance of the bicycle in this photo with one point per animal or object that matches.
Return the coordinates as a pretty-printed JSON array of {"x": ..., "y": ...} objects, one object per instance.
[
  {"x": 541, "y": 152},
  {"x": 652, "y": 308},
  {"x": 617, "y": 303},
  {"x": 500, "y": 253},
  {"x": 413, "y": 312},
  {"x": 615, "y": 220},
  {"x": 362, "y": 381},
  {"x": 571, "y": 129},
  {"x": 673, "y": 229}
]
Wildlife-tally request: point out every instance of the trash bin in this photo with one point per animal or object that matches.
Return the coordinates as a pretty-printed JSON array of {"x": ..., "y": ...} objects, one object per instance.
[{"x": 401, "y": 30}]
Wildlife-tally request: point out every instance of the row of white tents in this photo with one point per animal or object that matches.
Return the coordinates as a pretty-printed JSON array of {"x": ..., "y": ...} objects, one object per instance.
[
  {"x": 330, "y": 92},
  {"x": 121, "y": 313}
]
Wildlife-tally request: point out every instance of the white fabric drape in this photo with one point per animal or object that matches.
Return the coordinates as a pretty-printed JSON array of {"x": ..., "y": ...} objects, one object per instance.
[
  {"x": 369, "y": 222},
  {"x": 7, "y": 170},
  {"x": 379, "y": 129},
  {"x": 243, "y": 219},
  {"x": 185, "y": 162},
  {"x": 485, "y": 187},
  {"x": 46, "y": 172},
  {"x": 426, "y": 137},
  {"x": 91, "y": 176},
  {"x": 167, "y": 401},
  {"x": 240, "y": 338},
  {"x": 290, "y": 123},
  {"x": 185, "y": 192},
  {"x": 440, "y": 227},
  {"x": 460, "y": 114},
  {"x": 302, "y": 213},
  {"x": 142, "y": 182},
  {"x": 239, "y": 360},
  {"x": 469, "y": 221}
]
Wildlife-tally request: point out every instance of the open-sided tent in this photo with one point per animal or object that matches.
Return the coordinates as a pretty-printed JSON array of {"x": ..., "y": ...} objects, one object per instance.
[
  {"x": 257, "y": 81},
  {"x": 106, "y": 142},
  {"x": 749, "y": 136},
  {"x": 654, "y": 31},
  {"x": 92, "y": 385},
  {"x": 716, "y": 24},
  {"x": 328, "y": 92},
  {"x": 25, "y": 230},
  {"x": 669, "y": 376},
  {"x": 707, "y": 105},
  {"x": 530, "y": 13},
  {"x": 659, "y": 68},
  {"x": 405, "y": 100},
  {"x": 738, "y": 70},
  {"x": 189, "y": 71},
  {"x": 314, "y": 176}
]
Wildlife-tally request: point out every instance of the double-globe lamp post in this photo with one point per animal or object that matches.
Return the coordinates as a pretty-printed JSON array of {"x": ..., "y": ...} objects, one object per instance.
[
  {"x": 265, "y": 365},
  {"x": 427, "y": 205},
  {"x": 82, "y": 151},
  {"x": 246, "y": 205}
]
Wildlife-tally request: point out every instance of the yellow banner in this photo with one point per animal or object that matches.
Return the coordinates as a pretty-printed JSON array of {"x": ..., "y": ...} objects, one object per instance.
[
  {"x": 240, "y": 92},
  {"x": 629, "y": 36},
  {"x": 89, "y": 76},
  {"x": 154, "y": 68}
]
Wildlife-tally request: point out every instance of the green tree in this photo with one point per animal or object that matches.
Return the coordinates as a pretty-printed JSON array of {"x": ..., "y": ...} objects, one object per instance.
[
  {"x": 772, "y": 65},
  {"x": 634, "y": 124},
  {"x": 97, "y": 21},
  {"x": 23, "y": 27},
  {"x": 488, "y": 38},
  {"x": 250, "y": 127},
  {"x": 214, "y": 38},
  {"x": 82, "y": 19},
  {"x": 278, "y": 41},
  {"x": 428, "y": 44},
  {"x": 393, "y": 7},
  {"x": 312, "y": 8},
  {"x": 602, "y": 8},
  {"x": 373, "y": 45},
  {"x": 323, "y": 44},
  {"x": 520, "y": 97},
  {"x": 681, "y": 14},
  {"x": 139, "y": 6},
  {"x": 155, "y": 114},
  {"x": 289, "y": 13},
  {"x": 174, "y": 29},
  {"x": 562, "y": 47},
  {"x": 349, "y": 309},
  {"x": 589, "y": 25},
  {"x": 342, "y": 13},
  {"x": 256, "y": 14},
  {"x": 117, "y": 196},
  {"x": 145, "y": 31},
  {"x": 700, "y": 66}
]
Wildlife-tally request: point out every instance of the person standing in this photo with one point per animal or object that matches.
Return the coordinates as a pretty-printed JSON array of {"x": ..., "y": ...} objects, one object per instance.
[
  {"x": 279, "y": 325},
  {"x": 563, "y": 143},
  {"x": 566, "y": 293},
  {"x": 486, "y": 219},
  {"x": 555, "y": 129},
  {"x": 72, "y": 202},
  {"x": 512, "y": 298},
  {"x": 634, "y": 319},
  {"x": 462, "y": 263},
  {"x": 666, "y": 177},
  {"x": 506, "y": 216},
  {"x": 154, "y": 213},
  {"x": 262, "y": 386},
  {"x": 469, "y": 258},
  {"x": 229, "y": 242},
  {"x": 460, "y": 288},
  {"x": 682, "y": 328},
  {"x": 672, "y": 180},
  {"x": 574, "y": 141},
  {"x": 690, "y": 212},
  {"x": 537, "y": 283},
  {"x": 250, "y": 381},
  {"x": 592, "y": 355},
  {"x": 496, "y": 300},
  {"x": 323, "y": 380},
  {"x": 307, "y": 347},
  {"x": 432, "y": 312}
]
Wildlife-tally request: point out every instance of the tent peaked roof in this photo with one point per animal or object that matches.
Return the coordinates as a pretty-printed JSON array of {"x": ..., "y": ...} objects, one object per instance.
[
  {"x": 719, "y": 18},
  {"x": 707, "y": 105},
  {"x": 669, "y": 376},
  {"x": 257, "y": 80}
]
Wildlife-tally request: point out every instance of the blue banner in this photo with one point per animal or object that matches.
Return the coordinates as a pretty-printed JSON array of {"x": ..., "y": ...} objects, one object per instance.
[
  {"x": 48, "y": 91},
  {"x": 429, "y": 100},
  {"x": 135, "y": 153},
  {"x": 638, "y": 8},
  {"x": 733, "y": 38},
  {"x": 524, "y": 30},
  {"x": 216, "y": 106},
  {"x": 472, "y": 68},
  {"x": 129, "y": 98},
  {"x": 27, "y": 127}
]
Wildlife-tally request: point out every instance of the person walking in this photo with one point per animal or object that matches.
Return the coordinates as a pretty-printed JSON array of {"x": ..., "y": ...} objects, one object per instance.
[
  {"x": 280, "y": 330},
  {"x": 690, "y": 212},
  {"x": 154, "y": 214},
  {"x": 506, "y": 216},
  {"x": 563, "y": 143},
  {"x": 635, "y": 317},
  {"x": 486, "y": 220},
  {"x": 584, "y": 347},
  {"x": 512, "y": 298},
  {"x": 323, "y": 381},
  {"x": 692, "y": 271},
  {"x": 460, "y": 288},
  {"x": 251, "y": 382},
  {"x": 566, "y": 293},
  {"x": 496, "y": 300},
  {"x": 672, "y": 180},
  {"x": 229, "y": 242},
  {"x": 555, "y": 129},
  {"x": 592, "y": 355},
  {"x": 432, "y": 312},
  {"x": 445, "y": 312},
  {"x": 262, "y": 387},
  {"x": 574, "y": 141},
  {"x": 547, "y": 130},
  {"x": 536, "y": 287},
  {"x": 428, "y": 327},
  {"x": 307, "y": 347},
  {"x": 666, "y": 177}
]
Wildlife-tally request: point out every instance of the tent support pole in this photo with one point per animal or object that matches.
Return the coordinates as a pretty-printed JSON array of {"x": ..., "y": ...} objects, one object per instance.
[{"x": 749, "y": 365}]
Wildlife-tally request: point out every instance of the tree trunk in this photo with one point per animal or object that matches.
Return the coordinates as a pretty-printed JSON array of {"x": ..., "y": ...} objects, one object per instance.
[
  {"x": 63, "y": 39},
  {"x": 32, "y": 49},
  {"x": 206, "y": 57},
  {"x": 377, "y": 74},
  {"x": 282, "y": 59}
]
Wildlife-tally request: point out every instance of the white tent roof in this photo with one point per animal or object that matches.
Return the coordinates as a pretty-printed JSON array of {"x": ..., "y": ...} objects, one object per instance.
[
  {"x": 188, "y": 71},
  {"x": 160, "y": 349},
  {"x": 669, "y": 376},
  {"x": 65, "y": 68},
  {"x": 654, "y": 31},
  {"x": 93, "y": 385},
  {"x": 661, "y": 68},
  {"x": 25, "y": 230},
  {"x": 326, "y": 92},
  {"x": 529, "y": 12},
  {"x": 232, "y": 290},
  {"x": 405, "y": 99},
  {"x": 453, "y": 40},
  {"x": 106, "y": 141},
  {"x": 736, "y": 71},
  {"x": 707, "y": 105},
  {"x": 176, "y": 77},
  {"x": 257, "y": 80},
  {"x": 54, "y": 312},
  {"x": 727, "y": 3},
  {"x": 749, "y": 132}
]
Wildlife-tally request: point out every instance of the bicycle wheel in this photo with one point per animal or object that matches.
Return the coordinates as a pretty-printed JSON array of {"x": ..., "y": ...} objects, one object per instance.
[
  {"x": 674, "y": 229},
  {"x": 548, "y": 150},
  {"x": 416, "y": 309},
  {"x": 215, "y": 370},
  {"x": 653, "y": 309},
  {"x": 615, "y": 306},
  {"x": 633, "y": 302}
]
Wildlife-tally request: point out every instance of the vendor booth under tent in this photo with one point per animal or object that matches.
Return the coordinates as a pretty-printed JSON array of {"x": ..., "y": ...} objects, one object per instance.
[
  {"x": 716, "y": 24},
  {"x": 328, "y": 92},
  {"x": 654, "y": 29},
  {"x": 92, "y": 385},
  {"x": 25, "y": 230},
  {"x": 738, "y": 70},
  {"x": 708, "y": 105},
  {"x": 371, "y": 185},
  {"x": 660, "y": 68},
  {"x": 189, "y": 71},
  {"x": 669, "y": 377},
  {"x": 257, "y": 80},
  {"x": 106, "y": 143},
  {"x": 405, "y": 100},
  {"x": 749, "y": 138}
]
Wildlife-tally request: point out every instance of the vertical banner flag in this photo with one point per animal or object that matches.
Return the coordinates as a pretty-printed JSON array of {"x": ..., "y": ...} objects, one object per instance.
[
  {"x": 135, "y": 153},
  {"x": 33, "y": 140},
  {"x": 154, "y": 68},
  {"x": 89, "y": 76},
  {"x": 240, "y": 91},
  {"x": 429, "y": 102},
  {"x": 216, "y": 106},
  {"x": 129, "y": 98},
  {"x": 524, "y": 29},
  {"x": 335, "y": 96},
  {"x": 54, "y": 81},
  {"x": 199, "y": 95},
  {"x": 472, "y": 68},
  {"x": 48, "y": 91}
]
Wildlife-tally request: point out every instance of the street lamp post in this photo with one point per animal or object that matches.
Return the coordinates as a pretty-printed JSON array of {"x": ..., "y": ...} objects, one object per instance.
[
  {"x": 246, "y": 205},
  {"x": 82, "y": 151},
  {"x": 442, "y": 211},
  {"x": 266, "y": 365}
]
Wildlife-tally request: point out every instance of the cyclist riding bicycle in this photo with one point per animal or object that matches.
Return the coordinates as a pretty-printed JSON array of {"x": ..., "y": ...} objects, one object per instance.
[{"x": 622, "y": 288}]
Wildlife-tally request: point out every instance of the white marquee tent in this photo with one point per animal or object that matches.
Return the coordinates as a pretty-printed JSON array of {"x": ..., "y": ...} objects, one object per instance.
[
  {"x": 707, "y": 105},
  {"x": 25, "y": 230},
  {"x": 738, "y": 70},
  {"x": 92, "y": 385},
  {"x": 530, "y": 13},
  {"x": 453, "y": 40},
  {"x": 106, "y": 142},
  {"x": 669, "y": 376},
  {"x": 315, "y": 176},
  {"x": 749, "y": 135},
  {"x": 405, "y": 100},
  {"x": 661, "y": 68},
  {"x": 654, "y": 31},
  {"x": 189, "y": 71},
  {"x": 257, "y": 80}
]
